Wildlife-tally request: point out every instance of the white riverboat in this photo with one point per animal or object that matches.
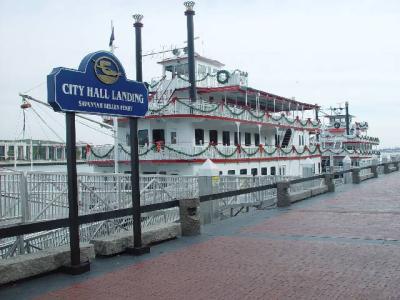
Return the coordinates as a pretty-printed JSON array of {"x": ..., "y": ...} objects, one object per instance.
[
  {"x": 343, "y": 136},
  {"x": 241, "y": 129}
]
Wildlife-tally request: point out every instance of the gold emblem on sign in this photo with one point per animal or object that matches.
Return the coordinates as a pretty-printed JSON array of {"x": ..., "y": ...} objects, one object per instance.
[{"x": 106, "y": 70}]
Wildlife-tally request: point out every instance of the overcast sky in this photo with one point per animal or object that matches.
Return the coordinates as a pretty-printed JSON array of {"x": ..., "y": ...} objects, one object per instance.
[{"x": 324, "y": 52}]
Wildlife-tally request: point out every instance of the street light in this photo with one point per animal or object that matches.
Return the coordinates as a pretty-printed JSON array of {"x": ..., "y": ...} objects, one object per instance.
[{"x": 189, "y": 13}]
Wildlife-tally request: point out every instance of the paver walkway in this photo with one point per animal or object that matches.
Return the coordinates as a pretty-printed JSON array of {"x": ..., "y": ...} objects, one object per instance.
[{"x": 344, "y": 245}]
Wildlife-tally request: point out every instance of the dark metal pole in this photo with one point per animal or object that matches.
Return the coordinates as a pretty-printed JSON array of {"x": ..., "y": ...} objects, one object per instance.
[
  {"x": 317, "y": 118},
  {"x": 347, "y": 118},
  {"x": 76, "y": 266},
  {"x": 137, "y": 249},
  {"x": 190, "y": 40}
]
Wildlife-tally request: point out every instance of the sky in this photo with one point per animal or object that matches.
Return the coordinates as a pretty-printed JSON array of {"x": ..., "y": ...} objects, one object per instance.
[{"x": 324, "y": 52}]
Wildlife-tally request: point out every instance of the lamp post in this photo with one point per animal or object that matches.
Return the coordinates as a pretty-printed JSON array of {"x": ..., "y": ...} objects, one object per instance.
[
  {"x": 189, "y": 13},
  {"x": 347, "y": 118},
  {"x": 137, "y": 248}
]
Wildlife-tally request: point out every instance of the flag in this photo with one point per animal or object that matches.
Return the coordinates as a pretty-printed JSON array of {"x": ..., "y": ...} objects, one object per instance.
[{"x": 112, "y": 36}]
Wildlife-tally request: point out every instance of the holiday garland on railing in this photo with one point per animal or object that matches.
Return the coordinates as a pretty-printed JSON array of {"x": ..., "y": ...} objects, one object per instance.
[
  {"x": 158, "y": 82},
  {"x": 238, "y": 150},
  {"x": 199, "y": 109},
  {"x": 214, "y": 75},
  {"x": 90, "y": 149},
  {"x": 159, "y": 147},
  {"x": 236, "y": 113}
]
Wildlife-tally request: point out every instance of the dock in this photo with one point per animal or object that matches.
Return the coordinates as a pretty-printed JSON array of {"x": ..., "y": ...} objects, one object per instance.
[{"x": 341, "y": 245}]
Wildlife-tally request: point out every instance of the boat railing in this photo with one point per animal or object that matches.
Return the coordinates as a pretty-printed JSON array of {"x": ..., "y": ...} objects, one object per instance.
[
  {"x": 191, "y": 152},
  {"x": 201, "y": 107}
]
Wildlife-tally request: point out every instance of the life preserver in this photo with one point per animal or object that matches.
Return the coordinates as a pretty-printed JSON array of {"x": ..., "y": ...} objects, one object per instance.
[
  {"x": 223, "y": 76},
  {"x": 336, "y": 125}
]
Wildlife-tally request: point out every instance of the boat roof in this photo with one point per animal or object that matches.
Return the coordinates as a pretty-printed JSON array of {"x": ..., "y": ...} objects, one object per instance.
[
  {"x": 338, "y": 116},
  {"x": 197, "y": 56},
  {"x": 237, "y": 94}
]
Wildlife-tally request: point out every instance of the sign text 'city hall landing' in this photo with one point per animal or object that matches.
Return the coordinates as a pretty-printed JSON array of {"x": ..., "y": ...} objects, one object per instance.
[{"x": 99, "y": 86}]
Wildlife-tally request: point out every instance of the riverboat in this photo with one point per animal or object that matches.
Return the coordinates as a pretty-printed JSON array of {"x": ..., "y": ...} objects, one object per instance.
[
  {"x": 342, "y": 137},
  {"x": 242, "y": 130}
]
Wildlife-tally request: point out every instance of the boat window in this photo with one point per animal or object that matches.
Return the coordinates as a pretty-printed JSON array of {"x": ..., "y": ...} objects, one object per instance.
[
  {"x": 128, "y": 139},
  {"x": 173, "y": 137},
  {"x": 264, "y": 171},
  {"x": 220, "y": 172},
  {"x": 231, "y": 172},
  {"x": 182, "y": 69},
  {"x": 299, "y": 140},
  {"x": 243, "y": 171},
  {"x": 213, "y": 136},
  {"x": 10, "y": 152},
  {"x": 226, "y": 138},
  {"x": 282, "y": 170},
  {"x": 158, "y": 136},
  {"x": 273, "y": 171},
  {"x": 199, "y": 136},
  {"x": 162, "y": 173},
  {"x": 276, "y": 140},
  {"x": 2, "y": 152},
  {"x": 256, "y": 139},
  {"x": 302, "y": 140},
  {"x": 254, "y": 171},
  {"x": 202, "y": 69},
  {"x": 143, "y": 137},
  {"x": 247, "y": 138},
  {"x": 238, "y": 141}
]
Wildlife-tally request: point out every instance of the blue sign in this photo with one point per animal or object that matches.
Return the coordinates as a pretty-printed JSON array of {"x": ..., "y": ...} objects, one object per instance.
[{"x": 99, "y": 86}]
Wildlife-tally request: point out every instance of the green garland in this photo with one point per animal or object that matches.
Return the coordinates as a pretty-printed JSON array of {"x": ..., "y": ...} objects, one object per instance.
[
  {"x": 160, "y": 109},
  {"x": 99, "y": 155},
  {"x": 259, "y": 117},
  {"x": 232, "y": 112},
  {"x": 157, "y": 83},
  {"x": 255, "y": 116},
  {"x": 214, "y": 75},
  {"x": 187, "y": 154},
  {"x": 225, "y": 155},
  {"x": 237, "y": 149},
  {"x": 250, "y": 153},
  {"x": 198, "y": 109}
]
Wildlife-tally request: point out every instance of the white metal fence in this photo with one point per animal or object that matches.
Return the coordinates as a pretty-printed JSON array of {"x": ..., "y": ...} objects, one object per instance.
[{"x": 38, "y": 196}]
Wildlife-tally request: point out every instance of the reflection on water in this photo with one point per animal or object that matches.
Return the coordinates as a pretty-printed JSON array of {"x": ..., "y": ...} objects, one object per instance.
[{"x": 81, "y": 168}]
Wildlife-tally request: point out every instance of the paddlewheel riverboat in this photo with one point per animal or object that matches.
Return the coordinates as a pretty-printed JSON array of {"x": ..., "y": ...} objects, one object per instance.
[
  {"x": 342, "y": 137},
  {"x": 241, "y": 129}
]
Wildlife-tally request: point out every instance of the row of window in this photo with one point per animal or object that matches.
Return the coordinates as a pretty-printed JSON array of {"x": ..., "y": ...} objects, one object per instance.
[
  {"x": 254, "y": 171},
  {"x": 226, "y": 137},
  {"x": 159, "y": 136}
]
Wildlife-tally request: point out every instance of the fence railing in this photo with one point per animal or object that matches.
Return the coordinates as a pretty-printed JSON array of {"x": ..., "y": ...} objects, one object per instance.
[{"x": 34, "y": 206}]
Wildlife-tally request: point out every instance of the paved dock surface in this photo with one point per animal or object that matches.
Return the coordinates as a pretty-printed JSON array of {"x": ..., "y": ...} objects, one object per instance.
[{"x": 343, "y": 245}]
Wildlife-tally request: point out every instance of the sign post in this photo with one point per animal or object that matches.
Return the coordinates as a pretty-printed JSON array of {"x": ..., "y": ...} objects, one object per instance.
[{"x": 100, "y": 87}]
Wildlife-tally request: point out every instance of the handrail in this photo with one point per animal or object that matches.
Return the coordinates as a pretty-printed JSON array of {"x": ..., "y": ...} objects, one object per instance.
[{"x": 33, "y": 227}]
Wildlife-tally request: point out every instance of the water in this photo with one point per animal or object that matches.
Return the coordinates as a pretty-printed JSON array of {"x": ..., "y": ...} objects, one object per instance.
[{"x": 81, "y": 168}]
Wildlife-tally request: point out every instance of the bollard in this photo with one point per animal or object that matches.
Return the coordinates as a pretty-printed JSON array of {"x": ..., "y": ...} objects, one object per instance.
[
  {"x": 282, "y": 191},
  {"x": 356, "y": 175},
  {"x": 189, "y": 211},
  {"x": 386, "y": 169},
  {"x": 374, "y": 170},
  {"x": 329, "y": 183}
]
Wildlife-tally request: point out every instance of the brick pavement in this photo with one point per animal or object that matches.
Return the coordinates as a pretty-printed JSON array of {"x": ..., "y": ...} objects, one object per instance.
[{"x": 339, "y": 246}]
